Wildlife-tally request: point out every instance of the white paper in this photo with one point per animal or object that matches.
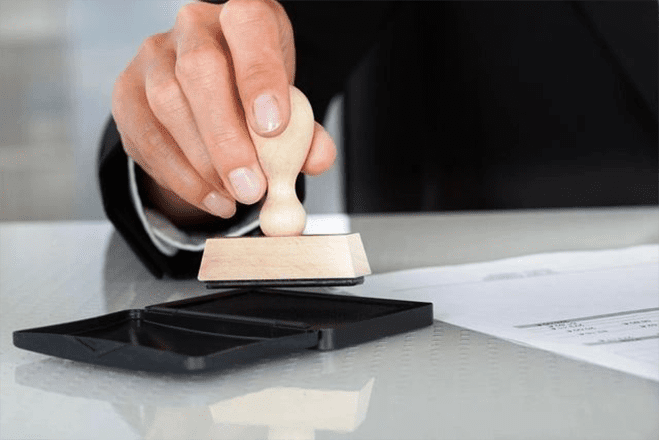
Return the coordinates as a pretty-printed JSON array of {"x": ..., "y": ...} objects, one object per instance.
[{"x": 598, "y": 306}]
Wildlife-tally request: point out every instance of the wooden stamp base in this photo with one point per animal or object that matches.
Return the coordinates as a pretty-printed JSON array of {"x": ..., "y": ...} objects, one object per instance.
[{"x": 308, "y": 260}]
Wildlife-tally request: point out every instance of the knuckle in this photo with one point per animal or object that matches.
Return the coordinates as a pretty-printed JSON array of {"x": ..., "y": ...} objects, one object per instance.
[
  {"x": 225, "y": 139},
  {"x": 189, "y": 14},
  {"x": 260, "y": 71},
  {"x": 152, "y": 146},
  {"x": 164, "y": 94},
  {"x": 152, "y": 46},
  {"x": 242, "y": 12},
  {"x": 198, "y": 62}
]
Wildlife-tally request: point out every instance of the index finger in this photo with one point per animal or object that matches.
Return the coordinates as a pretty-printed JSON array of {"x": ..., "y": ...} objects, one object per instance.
[{"x": 260, "y": 40}]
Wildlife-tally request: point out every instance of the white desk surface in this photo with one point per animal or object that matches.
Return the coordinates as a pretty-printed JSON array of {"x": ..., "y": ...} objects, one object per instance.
[{"x": 438, "y": 382}]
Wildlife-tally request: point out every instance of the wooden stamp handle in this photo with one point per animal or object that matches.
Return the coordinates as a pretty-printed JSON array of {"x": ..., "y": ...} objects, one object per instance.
[{"x": 281, "y": 159}]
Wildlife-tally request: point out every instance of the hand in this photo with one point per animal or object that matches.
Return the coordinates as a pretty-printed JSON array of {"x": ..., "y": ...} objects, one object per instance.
[{"x": 183, "y": 104}]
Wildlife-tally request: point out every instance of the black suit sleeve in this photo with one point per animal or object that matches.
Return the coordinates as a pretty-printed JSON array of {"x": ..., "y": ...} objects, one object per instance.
[{"x": 115, "y": 192}]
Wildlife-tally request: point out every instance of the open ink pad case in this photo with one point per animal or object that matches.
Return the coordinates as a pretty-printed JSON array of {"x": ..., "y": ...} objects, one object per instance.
[{"x": 225, "y": 329}]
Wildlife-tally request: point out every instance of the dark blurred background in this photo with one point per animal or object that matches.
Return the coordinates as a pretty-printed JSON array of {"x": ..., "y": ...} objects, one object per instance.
[{"x": 505, "y": 105}]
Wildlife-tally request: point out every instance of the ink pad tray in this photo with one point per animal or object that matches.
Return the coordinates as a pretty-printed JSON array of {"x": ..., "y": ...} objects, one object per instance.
[{"x": 225, "y": 329}]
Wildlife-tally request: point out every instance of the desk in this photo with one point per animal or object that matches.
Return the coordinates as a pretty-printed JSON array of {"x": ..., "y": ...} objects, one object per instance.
[{"x": 440, "y": 382}]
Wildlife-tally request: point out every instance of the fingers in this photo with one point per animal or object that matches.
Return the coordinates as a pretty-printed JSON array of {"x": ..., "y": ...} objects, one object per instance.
[
  {"x": 170, "y": 107},
  {"x": 151, "y": 146},
  {"x": 204, "y": 71},
  {"x": 321, "y": 154},
  {"x": 257, "y": 36}
]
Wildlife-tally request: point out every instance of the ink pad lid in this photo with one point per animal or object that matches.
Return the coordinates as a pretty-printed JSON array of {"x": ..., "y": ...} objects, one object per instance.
[{"x": 225, "y": 329}]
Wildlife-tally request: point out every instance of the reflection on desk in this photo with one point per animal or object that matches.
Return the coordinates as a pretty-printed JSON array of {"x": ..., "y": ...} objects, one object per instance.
[{"x": 286, "y": 411}]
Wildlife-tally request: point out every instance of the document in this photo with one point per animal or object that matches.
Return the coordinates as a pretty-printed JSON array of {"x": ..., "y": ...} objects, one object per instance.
[{"x": 597, "y": 306}]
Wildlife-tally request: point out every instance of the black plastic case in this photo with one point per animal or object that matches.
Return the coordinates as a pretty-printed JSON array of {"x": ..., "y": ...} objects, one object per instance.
[{"x": 225, "y": 329}]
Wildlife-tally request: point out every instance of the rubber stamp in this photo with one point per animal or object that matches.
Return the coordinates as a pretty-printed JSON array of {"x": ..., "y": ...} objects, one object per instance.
[{"x": 284, "y": 257}]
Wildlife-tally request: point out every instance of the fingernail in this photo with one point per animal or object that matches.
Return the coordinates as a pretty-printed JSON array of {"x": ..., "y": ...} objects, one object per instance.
[
  {"x": 266, "y": 113},
  {"x": 246, "y": 185},
  {"x": 218, "y": 205}
]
